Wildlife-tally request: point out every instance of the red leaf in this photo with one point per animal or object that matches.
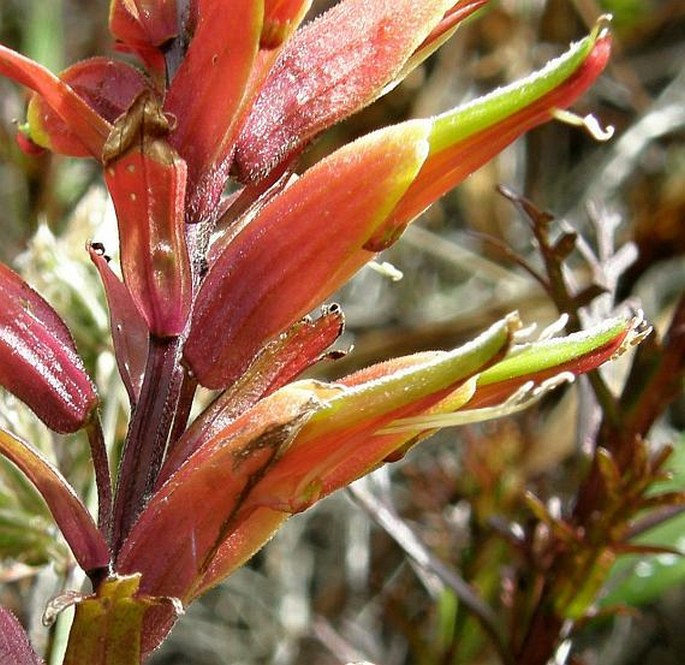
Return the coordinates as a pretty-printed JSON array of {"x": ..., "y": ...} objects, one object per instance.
[
  {"x": 331, "y": 68},
  {"x": 129, "y": 329}
]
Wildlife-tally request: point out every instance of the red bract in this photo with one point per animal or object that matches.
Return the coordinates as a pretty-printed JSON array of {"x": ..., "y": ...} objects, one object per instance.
[
  {"x": 331, "y": 68},
  {"x": 147, "y": 181},
  {"x": 313, "y": 237},
  {"x": 79, "y": 117},
  {"x": 205, "y": 97},
  {"x": 78, "y": 528},
  {"x": 144, "y": 27},
  {"x": 215, "y": 288},
  {"x": 129, "y": 329},
  {"x": 38, "y": 360}
]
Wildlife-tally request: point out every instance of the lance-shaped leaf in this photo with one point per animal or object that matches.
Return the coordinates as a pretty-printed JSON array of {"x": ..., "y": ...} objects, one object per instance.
[
  {"x": 206, "y": 93},
  {"x": 107, "y": 86},
  {"x": 281, "y": 361},
  {"x": 38, "y": 359},
  {"x": 71, "y": 516},
  {"x": 303, "y": 245},
  {"x": 331, "y": 68},
  {"x": 465, "y": 138},
  {"x": 298, "y": 444},
  {"x": 84, "y": 122},
  {"x": 144, "y": 27},
  {"x": 129, "y": 329},
  {"x": 14, "y": 642},
  {"x": 146, "y": 179}
]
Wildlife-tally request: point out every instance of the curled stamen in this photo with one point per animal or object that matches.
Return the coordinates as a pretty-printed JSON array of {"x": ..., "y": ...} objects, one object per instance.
[
  {"x": 589, "y": 122},
  {"x": 602, "y": 25},
  {"x": 520, "y": 396},
  {"x": 525, "y": 334},
  {"x": 554, "y": 382},
  {"x": 526, "y": 395},
  {"x": 639, "y": 329},
  {"x": 554, "y": 328},
  {"x": 58, "y": 604}
]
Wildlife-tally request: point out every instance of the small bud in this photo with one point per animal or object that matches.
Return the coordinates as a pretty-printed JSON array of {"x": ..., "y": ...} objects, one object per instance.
[{"x": 107, "y": 86}]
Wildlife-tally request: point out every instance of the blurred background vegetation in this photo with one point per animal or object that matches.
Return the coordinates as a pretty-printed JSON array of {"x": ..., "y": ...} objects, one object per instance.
[{"x": 337, "y": 584}]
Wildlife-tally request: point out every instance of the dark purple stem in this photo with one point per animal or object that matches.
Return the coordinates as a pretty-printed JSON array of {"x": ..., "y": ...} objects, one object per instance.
[
  {"x": 148, "y": 434},
  {"x": 103, "y": 478}
]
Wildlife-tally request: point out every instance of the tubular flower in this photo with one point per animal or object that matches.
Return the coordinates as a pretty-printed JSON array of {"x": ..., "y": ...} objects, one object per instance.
[{"x": 217, "y": 289}]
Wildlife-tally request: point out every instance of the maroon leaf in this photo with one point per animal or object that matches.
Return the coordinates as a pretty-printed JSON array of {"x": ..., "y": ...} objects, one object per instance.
[
  {"x": 15, "y": 648},
  {"x": 129, "y": 330},
  {"x": 38, "y": 359}
]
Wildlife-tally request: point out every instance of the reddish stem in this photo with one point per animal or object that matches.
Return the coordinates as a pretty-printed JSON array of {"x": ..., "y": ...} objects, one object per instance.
[
  {"x": 103, "y": 478},
  {"x": 148, "y": 434}
]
